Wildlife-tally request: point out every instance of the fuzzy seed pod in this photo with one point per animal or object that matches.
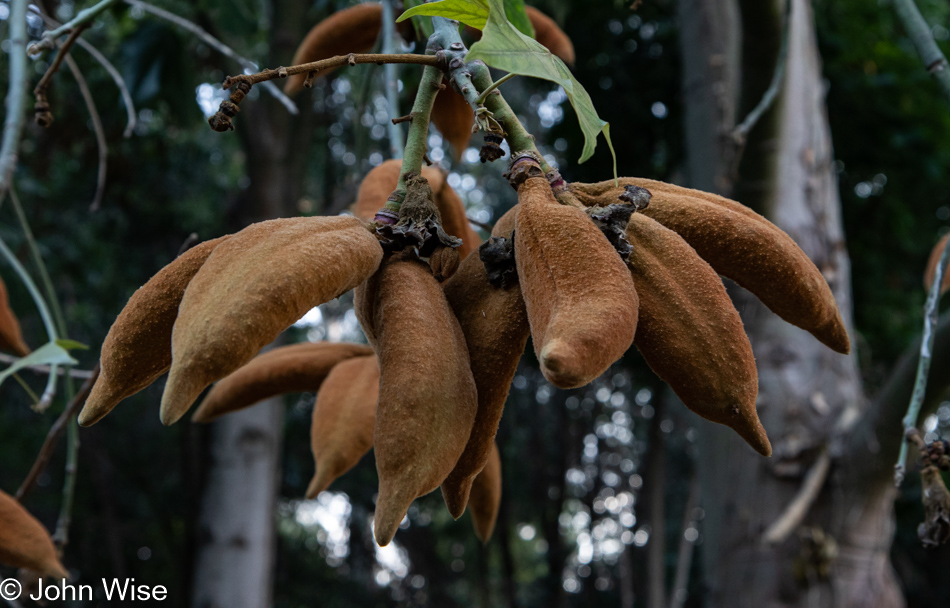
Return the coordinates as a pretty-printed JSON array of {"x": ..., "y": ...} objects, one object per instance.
[
  {"x": 344, "y": 414},
  {"x": 351, "y": 30},
  {"x": 486, "y": 497},
  {"x": 289, "y": 369},
  {"x": 689, "y": 332},
  {"x": 496, "y": 330},
  {"x": 547, "y": 32},
  {"x": 454, "y": 119},
  {"x": 11, "y": 338},
  {"x": 743, "y": 246},
  {"x": 932, "y": 266},
  {"x": 254, "y": 286},
  {"x": 580, "y": 298},
  {"x": 138, "y": 348},
  {"x": 380, "y": 183},
  {"x": 427, "y": 399},
  {"x": 24, "y": 542}
]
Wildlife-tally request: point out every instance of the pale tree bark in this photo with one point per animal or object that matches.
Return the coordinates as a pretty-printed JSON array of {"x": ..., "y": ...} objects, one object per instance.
[
  {"x": 237, "y": 528},
  {"x": 838, "y": 554}
]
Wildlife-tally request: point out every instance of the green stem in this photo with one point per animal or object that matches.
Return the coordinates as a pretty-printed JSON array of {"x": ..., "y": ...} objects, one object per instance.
[
  {"x": 392, "y": 81},
  {"x": 931, "y": 310},
  {"x": 83, "y": 17},
  {"x": 481, "y": 98},
  {"x": 16, "y": 101},
  {"x": 922, "y": 37}
]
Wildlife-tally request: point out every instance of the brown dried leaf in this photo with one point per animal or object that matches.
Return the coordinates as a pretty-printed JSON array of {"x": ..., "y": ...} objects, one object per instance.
[
  {"x": 743, "y": 246},
  {"x": 138, "y": 348},
  {"x": 254, "y": 286},
  {"x": 580, "y": 298},
  {"x": 427, "y": 399},
  {"x": 11, "y": 338},
  {"x": 496, "y": 330},
  {"x": 486, "y": 497},
  {"x": 689, "y": 332},
  {"x": 344, "y": 415},
  {"x": 24, "y": 542},
  {"x": 351, "y": 30},
  {"x": 932, "y": 266},
  {"x": 454, "y": 119},
  {"x": 288, "y": 369}
]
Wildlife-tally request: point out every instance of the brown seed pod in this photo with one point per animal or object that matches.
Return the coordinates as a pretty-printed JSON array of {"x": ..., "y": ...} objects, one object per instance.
[
  {"x": 689, "y": 332},
  {"x": 24, "y": 542},
  {"x": 351, "y": 30},
  {"x": 486, "y": 497},
  {"x": 344, "y": 414},
  {"x": 580, "y": 298},
  {"x": 380, "y": 183},
  {"x": 254, "y": 286},
  {"x": 496, "y": 330},
  {"x": 547, "y": 32},
  {"x": 427, "y": 399},
  {"x": 932, "y": 266},
  {"x": 288, "y": 369},
  {"x": 138, "y": 348},
  {"x": 11, "y": 338},
  {"x": 454, "y": 119},
  {"x": 745, "y": 247}
]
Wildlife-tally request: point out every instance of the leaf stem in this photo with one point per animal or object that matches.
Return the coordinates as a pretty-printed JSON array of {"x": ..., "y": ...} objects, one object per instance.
[
  {"x": 481, "y": 98},
  {"x": 392, "y": 80},
  {"x": 931, "y": 310}
]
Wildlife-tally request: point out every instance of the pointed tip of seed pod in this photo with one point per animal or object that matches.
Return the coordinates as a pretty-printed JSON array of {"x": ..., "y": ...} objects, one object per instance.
[
  {"x": 455, "y": 493},
  {"x": 55, "y": 569},
  {"x": 178, "y": 398},
  {"x": 834, "y": 335},
  {"x": 203, "y": 415},
  {"x": 560, "y": 367},
  {"x": 754, "y": 434},
  {"x": 98, "y": 404},
  {"x": 320, "y": 482},
  {"x": 391, "y": 508}
]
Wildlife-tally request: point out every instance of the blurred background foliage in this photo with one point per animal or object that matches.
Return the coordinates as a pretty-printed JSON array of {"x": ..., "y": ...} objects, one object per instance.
[{"x": 576, "y": 463}]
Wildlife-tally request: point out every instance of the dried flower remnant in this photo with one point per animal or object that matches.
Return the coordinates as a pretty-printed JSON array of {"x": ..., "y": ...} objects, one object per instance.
[
  {"x": 495, "y": 325},
  {"x": 138, "y": 348},
  {"x": 580, "y": 298},
  {"x": 689, "y": 332},
  {"x": 24, "y": 542},
  {"x": 254, "y": 286},
  {"x": 344, "y": 415},
  {"x": 11, "y": 337},
  {"x": 932, "y": 266},
  {"x": 935, "y": 529},
  {"x": 743, "y": 246},
  {"x": 286, "y": 369},
  {"x": 486, "y": 497},
  {"x": 427, "y": 400}
]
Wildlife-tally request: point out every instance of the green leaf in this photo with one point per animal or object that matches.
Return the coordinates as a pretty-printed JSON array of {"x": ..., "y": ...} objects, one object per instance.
[
  {"x": 469, "y": 12},
  {"x": 71, "y": 344},
  {"x": 514, "y": 10},
  {"x": 505, "y": 48},
  {"x": 50, "y": 353},
  {"x": 422, "y": 25}
]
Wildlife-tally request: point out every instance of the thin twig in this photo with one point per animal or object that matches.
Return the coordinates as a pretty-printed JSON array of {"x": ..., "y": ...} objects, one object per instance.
[
  {"x": 43, "y": 115},
  {"x": 331, "y": 62},
  {"x": 16, "y": 102},
  {"x": 51, "y": 332},
  {"x": 931, "y": 310},
  {"x": 82, "y": 19},
  {"x": 81, "y": 374},
  {"x": 216, "y": 44},
  {"x": 392, "y": 80},
  {"x": 54, "y": 434},
  {"x": 488, "y": 90},
  {"x": 101, "y": 143},
  {"x": 771, "y": 93},
  {"x": 798, "y": 508},
  {"x": 922, "y": 37},
  {"x": 104, "y": 62},
  {"x": 61, "y": 535}
]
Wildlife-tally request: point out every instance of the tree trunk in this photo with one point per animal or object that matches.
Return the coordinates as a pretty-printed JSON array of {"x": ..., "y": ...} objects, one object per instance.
[
  {"x": 237, "y": 538},
  {"x": 838, "y": 556}
]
